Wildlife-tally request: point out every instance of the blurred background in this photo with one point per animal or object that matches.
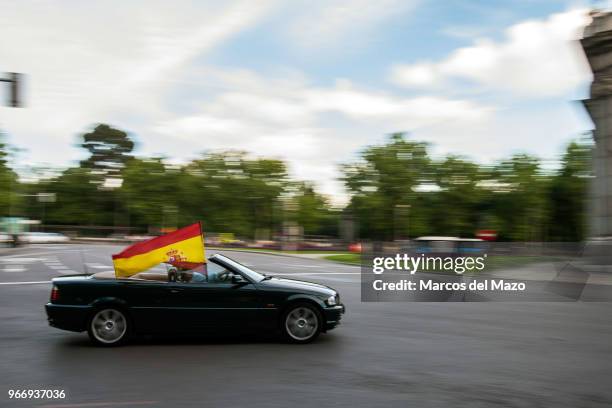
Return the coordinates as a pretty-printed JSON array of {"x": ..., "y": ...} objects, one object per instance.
[
  {"x": 310, "y": 126},
  {"x": 327, "y": 127}
]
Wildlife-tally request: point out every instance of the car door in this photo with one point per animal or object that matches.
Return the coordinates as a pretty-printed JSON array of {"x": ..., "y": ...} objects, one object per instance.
[
  {"x": 215, "y": 305},
  {"x": 148, "y": 304}
]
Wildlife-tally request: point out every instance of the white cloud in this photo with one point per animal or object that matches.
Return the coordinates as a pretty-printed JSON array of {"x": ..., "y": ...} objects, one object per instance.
[
  {"x": 322, "y": 23},
  {"x": 313, "y": 128},
  {"x": 536, "y": 58},
  {"x": 104, "y": 63},
  {"x": 413, "y": 112}
]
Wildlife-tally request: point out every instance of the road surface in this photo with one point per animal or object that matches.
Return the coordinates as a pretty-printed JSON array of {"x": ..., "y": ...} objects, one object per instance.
[{"x": 383, "y": 355}]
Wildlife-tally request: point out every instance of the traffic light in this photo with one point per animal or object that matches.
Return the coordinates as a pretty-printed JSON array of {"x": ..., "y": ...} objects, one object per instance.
[
  {"x": 15, "y": 82},
  {"x": 14, "y": 96}
]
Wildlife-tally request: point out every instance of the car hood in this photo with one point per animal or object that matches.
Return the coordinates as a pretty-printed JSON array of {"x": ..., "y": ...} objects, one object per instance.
[{"x": 292, "y": 284}]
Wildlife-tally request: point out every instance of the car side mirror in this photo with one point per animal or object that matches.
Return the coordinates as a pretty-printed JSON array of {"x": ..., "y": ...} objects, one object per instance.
[{"x": 238, "y": 279}]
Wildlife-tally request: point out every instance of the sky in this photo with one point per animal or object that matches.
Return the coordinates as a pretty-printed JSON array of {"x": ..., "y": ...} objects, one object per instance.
[{"x": 309, "y": 82}]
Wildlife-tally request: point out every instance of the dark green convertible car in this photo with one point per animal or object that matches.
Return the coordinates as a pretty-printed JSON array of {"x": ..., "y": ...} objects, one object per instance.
[{"x": 226, "y": 296}]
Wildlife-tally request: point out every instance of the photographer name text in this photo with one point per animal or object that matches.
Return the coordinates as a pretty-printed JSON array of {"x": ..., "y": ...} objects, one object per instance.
[{"x": 432, "y": 285}]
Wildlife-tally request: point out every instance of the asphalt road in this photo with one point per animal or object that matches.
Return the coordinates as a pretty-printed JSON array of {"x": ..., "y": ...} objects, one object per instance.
[{"x": 384, "y": 354}]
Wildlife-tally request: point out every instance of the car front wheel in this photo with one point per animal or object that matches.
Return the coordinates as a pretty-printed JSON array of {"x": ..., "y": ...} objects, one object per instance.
[
  {"x": 108, "y": 327},
  {"x": 301, "y": 323}
]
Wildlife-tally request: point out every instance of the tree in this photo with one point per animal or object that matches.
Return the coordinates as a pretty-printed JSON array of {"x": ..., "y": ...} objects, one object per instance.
[
  {"x": 385, "y": 181},
  {"x": 148, "y": 193},
  {"x": 520, "y": 198},
  {"x": 109, "y": 150},
  {"x": 9, "y": 199},
  {"x": 313, "y": 212},
  {"x": 568, "y": 192},
  {"x": 455, "y": 208},
  {"x": 232, "y": 193},
  {"x": 79, "y": 200}
]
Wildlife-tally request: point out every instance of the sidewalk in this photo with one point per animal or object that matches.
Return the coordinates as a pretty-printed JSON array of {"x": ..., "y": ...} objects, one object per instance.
[
  {"x": 571, "y": 272},
  {"x": 318, "y": 255}
]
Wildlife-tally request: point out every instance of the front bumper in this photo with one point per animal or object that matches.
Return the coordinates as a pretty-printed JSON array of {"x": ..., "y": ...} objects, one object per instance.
[
  {"x": 333, "y": 315},
  {"x": 68, "y": 317}
]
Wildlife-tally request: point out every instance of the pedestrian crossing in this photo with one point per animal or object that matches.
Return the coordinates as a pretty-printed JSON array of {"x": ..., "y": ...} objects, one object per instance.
[
  {"x": 23, "y": 264},
  {"x": 37, "y": 265},
  {"x": 55, "y": 264}
]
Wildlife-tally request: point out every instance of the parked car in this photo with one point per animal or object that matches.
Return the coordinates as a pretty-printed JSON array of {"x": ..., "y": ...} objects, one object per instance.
[
  {"x": 42, "y": 238},
  {"x": 226, "y": 297},
  {"x": 6, "y": 239},
  {"x": 452, "y": 246}
]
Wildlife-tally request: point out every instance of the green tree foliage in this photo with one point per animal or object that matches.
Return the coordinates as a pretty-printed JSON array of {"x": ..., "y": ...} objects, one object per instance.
[
  {"x": 313, "y": 212},
  {"x": 79, "y": 201},
  {"x": 460, "y": 197},
  {"x": 396, "y": 191},
  {"x": 520, "y": 202},
  {"x": 232, "y": 193},
  {"x": 147, "y": 193},
  {"x": 568, "y": 192},
  {"x": 9, "y": 198},
  {"x": 109, "y": 150},
  {"x": 384, "y": 181}
]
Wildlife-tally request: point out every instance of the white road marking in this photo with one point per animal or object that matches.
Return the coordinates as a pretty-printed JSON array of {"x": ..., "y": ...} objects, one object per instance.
[
  {"x": 20, "y": 260},
  {"x": 100, "y": 404},
  {"x": 307, "y": 273},
  {"x": 57, "y": 246},
  {"x": 320, "y": 273},
  {"x": 97, "y": 266},
  {"x": 24, "y": 283},
  {"x": 14, "y": 268},
  {"x": 42, "y": 253},
  {"x": 55, "y": 264},
  {"x": 302, "y": 266}
]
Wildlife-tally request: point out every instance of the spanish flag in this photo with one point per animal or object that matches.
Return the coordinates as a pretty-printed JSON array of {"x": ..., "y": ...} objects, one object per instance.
[{"x": 183, "y": 245}]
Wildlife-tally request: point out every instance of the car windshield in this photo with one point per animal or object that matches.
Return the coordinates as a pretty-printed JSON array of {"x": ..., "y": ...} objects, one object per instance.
[{"x": 251, "y": 274}]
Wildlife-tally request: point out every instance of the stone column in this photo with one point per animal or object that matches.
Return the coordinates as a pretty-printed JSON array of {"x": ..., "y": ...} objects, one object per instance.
[{"x": 597, "y": 45}]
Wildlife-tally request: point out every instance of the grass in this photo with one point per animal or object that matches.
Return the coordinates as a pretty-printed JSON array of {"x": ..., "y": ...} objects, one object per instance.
[
  {"x": 278, "y": 251},
  {"x": 492, "y": 262},
  {"x": 345, "y": 258},
  {"x": 508, "y": 261}
]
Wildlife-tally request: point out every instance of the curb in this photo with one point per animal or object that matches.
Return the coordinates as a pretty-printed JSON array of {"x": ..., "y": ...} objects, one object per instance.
[
  {"x": 260, "y": 252},
  {"x": 287, "y": 255}
]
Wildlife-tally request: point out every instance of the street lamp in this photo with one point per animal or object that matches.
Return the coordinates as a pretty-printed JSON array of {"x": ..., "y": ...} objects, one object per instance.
[{"x": 15, "y": 80}]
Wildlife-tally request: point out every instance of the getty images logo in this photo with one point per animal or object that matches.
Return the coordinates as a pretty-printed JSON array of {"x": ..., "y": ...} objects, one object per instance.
[{"x": 414, "y": 264}]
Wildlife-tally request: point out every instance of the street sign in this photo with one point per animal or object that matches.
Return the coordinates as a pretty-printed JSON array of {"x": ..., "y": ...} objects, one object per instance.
[{"x": 487, "y": 235}]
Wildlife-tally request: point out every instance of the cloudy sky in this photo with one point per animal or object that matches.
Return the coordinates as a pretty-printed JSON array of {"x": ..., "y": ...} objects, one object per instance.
[{"x": 311, "y": 82}]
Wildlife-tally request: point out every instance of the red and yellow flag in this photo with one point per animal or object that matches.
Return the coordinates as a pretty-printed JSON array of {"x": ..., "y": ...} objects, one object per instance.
[{"x": 183, "y": 245}]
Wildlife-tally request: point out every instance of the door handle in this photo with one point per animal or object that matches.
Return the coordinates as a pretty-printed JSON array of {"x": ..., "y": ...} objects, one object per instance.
[{"x": 174, "y": 290}]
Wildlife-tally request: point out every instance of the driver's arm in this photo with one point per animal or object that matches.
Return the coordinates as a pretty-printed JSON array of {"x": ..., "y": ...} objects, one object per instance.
[{"x": 197, "y": 277}]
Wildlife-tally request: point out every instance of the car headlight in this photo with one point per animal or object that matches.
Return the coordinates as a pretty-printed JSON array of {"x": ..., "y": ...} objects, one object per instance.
[{"x": 331, "y": 301}]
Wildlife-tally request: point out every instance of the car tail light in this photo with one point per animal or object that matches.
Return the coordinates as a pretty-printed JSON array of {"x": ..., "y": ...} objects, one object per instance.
[{"x": 54, "y": 294}]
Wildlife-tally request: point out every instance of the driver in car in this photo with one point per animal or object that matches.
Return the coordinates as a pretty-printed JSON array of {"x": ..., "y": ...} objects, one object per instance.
[
  {"x": 191, "y": 277},
  {"x": 210, "y": 275}
]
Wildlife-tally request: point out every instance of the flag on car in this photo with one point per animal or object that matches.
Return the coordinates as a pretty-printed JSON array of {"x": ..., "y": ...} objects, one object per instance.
[{"x": 184, "y": 245}]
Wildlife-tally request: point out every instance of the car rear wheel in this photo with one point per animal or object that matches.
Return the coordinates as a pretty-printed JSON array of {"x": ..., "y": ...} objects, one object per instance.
[
  {"x": 108, "y": 327},
  {"x": 301, "y": 323}
]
